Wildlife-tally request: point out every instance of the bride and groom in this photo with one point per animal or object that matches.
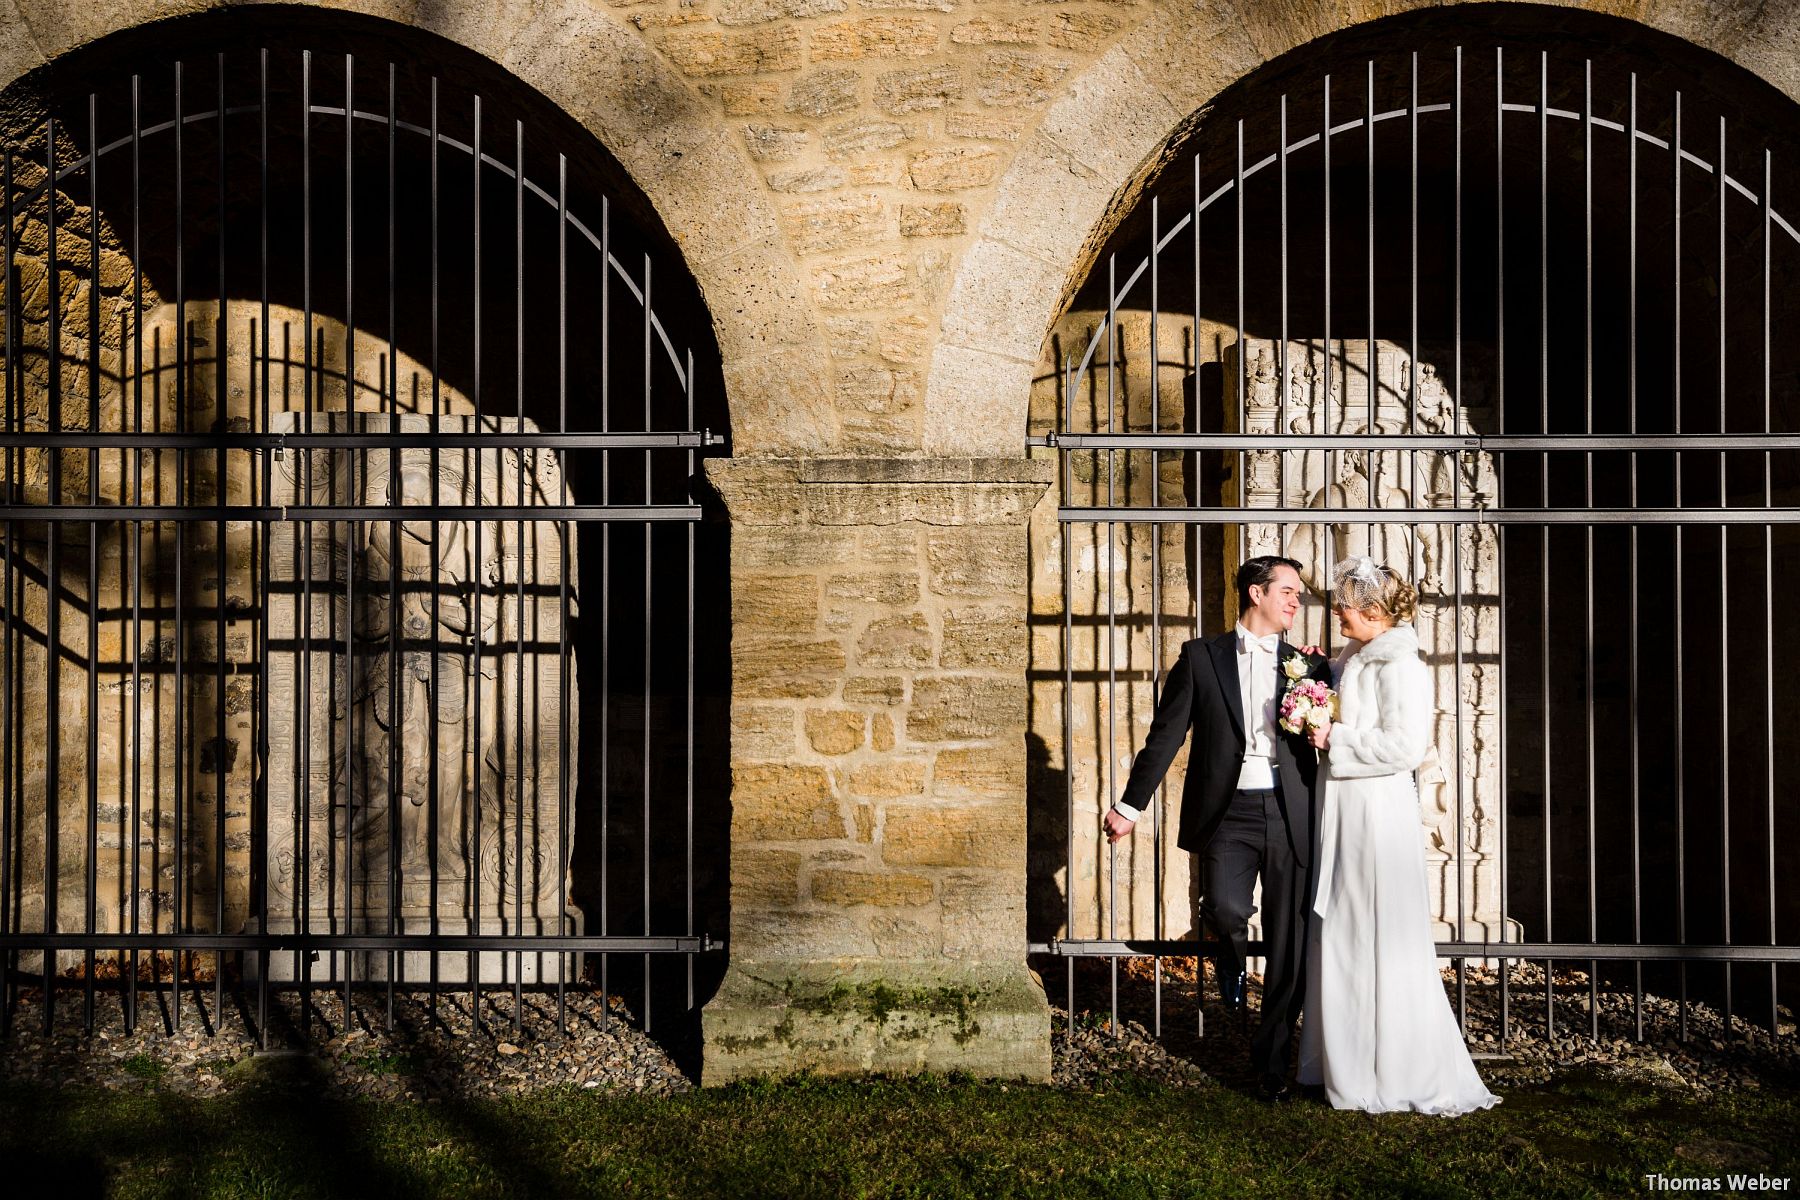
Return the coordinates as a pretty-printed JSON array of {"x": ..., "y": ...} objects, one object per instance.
[{"x": 1330, "y": 818}]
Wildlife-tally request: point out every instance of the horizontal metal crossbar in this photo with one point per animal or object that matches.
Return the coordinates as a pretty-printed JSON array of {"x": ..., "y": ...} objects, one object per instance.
[
  {"x": 1563, "y": 951},
  {"x": 1491, "y": 444},
  {"x": 1429, "y": 516},
  {"x": 236, "y": 513},
  {"x": 443, "y": 943},
  {"x": 422, "y": 440}
]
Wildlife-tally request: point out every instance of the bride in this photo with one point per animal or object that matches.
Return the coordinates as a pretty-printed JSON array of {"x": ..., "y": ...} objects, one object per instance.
[{"x": 1378, "y": 1031}]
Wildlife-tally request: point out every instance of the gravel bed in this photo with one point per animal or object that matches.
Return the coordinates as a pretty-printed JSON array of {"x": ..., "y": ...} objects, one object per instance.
[
  {"x": 427, "y": 1055},
  {"x": 445, "y": 1053}
]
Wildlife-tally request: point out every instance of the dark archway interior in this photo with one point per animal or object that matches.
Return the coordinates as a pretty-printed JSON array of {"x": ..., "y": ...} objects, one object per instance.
[
  {"x": 1679, "y": 760},
  {"x": 471, "y": 283}
]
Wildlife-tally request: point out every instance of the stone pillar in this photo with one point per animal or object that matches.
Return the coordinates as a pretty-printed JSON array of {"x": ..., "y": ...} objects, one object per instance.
[{"x": 878, "y": 722}]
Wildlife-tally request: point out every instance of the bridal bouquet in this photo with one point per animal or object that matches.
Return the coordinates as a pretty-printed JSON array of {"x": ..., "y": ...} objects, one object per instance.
[{"x": 1308, "y": 704}]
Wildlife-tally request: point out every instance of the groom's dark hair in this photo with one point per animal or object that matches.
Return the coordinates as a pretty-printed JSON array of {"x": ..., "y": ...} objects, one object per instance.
[{"x": 1260, "y": 572}]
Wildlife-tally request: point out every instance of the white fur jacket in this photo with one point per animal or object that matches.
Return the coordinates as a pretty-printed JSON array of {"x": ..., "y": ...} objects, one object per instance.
[{"x": 1384, "y": 707}]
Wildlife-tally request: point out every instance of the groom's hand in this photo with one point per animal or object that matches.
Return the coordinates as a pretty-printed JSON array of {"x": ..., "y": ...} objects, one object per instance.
[{"x": 1117, "y": 826}]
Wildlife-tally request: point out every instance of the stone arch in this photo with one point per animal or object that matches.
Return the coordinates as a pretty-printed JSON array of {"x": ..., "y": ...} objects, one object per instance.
[
  {"x": 672, "y": 144},
  {"x": 1078, "y": 175}
]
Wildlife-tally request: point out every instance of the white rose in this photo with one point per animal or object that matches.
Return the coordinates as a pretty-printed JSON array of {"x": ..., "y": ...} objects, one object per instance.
[
  {"x": 1295, "y": 667},
  {"x": 1319, "y": 717}
]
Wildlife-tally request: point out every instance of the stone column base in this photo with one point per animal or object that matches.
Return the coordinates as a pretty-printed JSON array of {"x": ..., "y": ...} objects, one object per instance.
[{"x": 772, "y": 1018}]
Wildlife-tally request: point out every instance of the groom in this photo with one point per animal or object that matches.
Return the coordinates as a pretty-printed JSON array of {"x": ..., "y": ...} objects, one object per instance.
[{"x": 1247, "y": 804}]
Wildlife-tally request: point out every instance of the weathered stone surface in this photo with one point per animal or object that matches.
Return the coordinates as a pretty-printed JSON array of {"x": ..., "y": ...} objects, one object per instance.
[
  {"x": 975, "y": 562},
  {"x": 874, "y": 689},
  {"x": 773, "y": 143},
  {"x": 982, "y": 126},
  {"x": 778, "y": 546},
  {"x": 865, "y": 282},
  {"x": 762, "y": 732},
  {"x": 835, "y": 732},
  {"x": 825, "y": 92},
  {"x": 764, "y": 877},
  {"x": 886, "y": 588},
  {"x": 954, "y": 168},
  {"x": 775, "y": 602},
  {"x": 881, "y": 732},
  {"x": 988, "y": 31},
  {"x": 874, "y": 37},
  {"x": 1014, "y": 79},
  {"x": 932, "y": 835},
  {"x": 756, "y": 12},
  {"x": 775, "y": 667},
  {"x": 708, "y": 52},
  {"x": 865, "y": 823},
  {"x": 909, "y": 91},
  {"x": 990, "y": 638},
  {"x": 1083, "y": 30},
  {"x": 889, "y": 778},
  {"x": 891, "y": 544},
  {"x": 996, "y": 772},
  {"x": 931, "y": 220},
  {"x": 807, "y": 179},
  {"x": 902, "y": 642},
  {"x": 783, "y": 803},
  {"x": 835, "y": 223},
  {"x": 864, "y": 137},
  {"x": 965, "y": 707},
  {"x": 750, "y": 98},
  {"x": 883, "y": 888}
]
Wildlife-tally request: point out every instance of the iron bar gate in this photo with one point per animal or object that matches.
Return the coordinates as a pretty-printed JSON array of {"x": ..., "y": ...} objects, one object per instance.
[
  {"x": 328, "y": 395},
  {"x": 1507, "y": 323}
]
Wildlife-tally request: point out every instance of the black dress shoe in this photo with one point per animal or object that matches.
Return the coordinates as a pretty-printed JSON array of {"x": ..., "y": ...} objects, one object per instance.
[{"x": 1272, "y": 1089}]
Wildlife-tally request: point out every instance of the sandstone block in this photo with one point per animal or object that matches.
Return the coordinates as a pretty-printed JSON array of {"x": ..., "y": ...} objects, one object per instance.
[
  {"x": 874, "y": 689},
  {"x": 993, "y": 31},
  {"x": 908, "y": 91},
  {"x": 874, "y": 37},
  {"x": 783, "y": 803},
  {"x": 997, "y": 772},
  {"x": 889, "y": 544},
  {"x": 921, "y": 835},
  {"x": 706, "y": 52},
  {"x": 756, "y": 12},
  {"x": 775, "y": 602},
  {"x": 826, "y": 92},
  {"x": 876, "y": 172},
  {"x": 902, "y": 642},
  {"x": 834, "y": 732},
  {"x": 1014, "y": 79},
  {"x": 906, "y": 339},
  {"x": 750, "y": 98},
  {"x": 881, "y": 732},
  {"x": 931, "y": 220},
  {"x": 762, "y": 732},
  {"x": 789, "y": 546},
  {"x": 887, "y": 779},
  {"x": 864, "y": 137},
  {"x": 915, "y": 5},
  {"x": 888, "y": 589},
  {"x": 865, "y": 823},
  {"x": 772, "y": 143},
  {"x": 862, "y": 283},
  {"x": 848, "y": 337},
  {"x": 991, "y": 638},
  {"x": 952, "y": 168},
  {"x": 985, "y": 127},
  {"x": 976, "y": 562},
  {"x": 878, "y": 888},
  {"x": 1082, "y": 30},
  {"x": 807, "y": 179},
  {"x": 835, "y": 223},
  {"x": 965, "y": 708},
  {"x": 763, "y": 877},
  {"x": 979, "y": 910},
  {"x": 791, "y": 668}
]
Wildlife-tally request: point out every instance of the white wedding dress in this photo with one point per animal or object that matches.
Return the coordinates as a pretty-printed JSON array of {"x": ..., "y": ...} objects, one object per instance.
[{"x": 1378, "y": 1030}]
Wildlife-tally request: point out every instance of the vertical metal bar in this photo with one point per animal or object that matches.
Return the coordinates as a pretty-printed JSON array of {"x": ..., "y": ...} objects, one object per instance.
[
  {"x": 1680, "y": 690},
  {"x": 434, "y": 648},
  {"x": 259, "y": 840},
  {"x": 519, "y": 556},
  {"x": 11, "y": 676},
  {"x": 353, "y": 532},
  {"x": 562, "y": 594},
  {"x": 606, "y": 475},
  {"x": 688, "y": 827},
  {"x": 1587, "y": 399},
  {"x": 1768, "y": 206},
  {"x": 183, "y": 909},
  {"x": 474, "y": 883},
  {"x": 1156, "y": 535},
  {"x": 137, "y": 533},
  {"x": 1456, "y": 501},
  {"x": 390, "y": 405},
  {"x": 1373, "y": 373},
  {"x": 1500, "y": 423},
  {"x": 303, "y": 759},
  {"x": 92, "y": 851},
  {"x": 1631, "y": 405},
  {"x": 221, "y": 406},
  {"x": 1543, "y": 115},
  {"x": 1066, "y": 472},
  {"x": 1112, "y": 640},
  {"x": 649, "y": 547},
  {"x": 53, "y": 594},
  {"x": 1724, "y": 593}
]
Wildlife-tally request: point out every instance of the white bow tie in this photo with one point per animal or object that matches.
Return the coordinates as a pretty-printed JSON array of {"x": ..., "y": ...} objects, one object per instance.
[{"x": 1268, "y": 644}]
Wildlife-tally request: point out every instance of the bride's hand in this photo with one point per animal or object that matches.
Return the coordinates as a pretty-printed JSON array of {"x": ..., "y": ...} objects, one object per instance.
[{"x": 1320, "y": 738}]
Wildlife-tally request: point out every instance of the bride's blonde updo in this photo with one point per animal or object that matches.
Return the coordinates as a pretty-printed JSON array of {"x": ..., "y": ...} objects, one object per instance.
[{"x": 1368, "y": 587}]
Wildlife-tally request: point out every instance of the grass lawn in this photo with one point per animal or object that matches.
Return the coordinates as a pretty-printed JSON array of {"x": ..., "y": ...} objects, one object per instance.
[{"x": 1578, "y": 1136}]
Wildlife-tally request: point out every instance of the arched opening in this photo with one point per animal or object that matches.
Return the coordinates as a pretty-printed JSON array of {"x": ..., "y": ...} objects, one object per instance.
[
  {"x": 1525, "y": 310},
  {"x": 295, "y": 272}
]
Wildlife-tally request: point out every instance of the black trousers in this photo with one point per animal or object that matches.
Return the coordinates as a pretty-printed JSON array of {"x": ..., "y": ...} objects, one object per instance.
[{"x": 1253, "y": 837}]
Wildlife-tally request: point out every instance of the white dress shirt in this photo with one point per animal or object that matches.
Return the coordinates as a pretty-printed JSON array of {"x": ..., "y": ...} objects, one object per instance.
[{"x": 1256, "y": 695}]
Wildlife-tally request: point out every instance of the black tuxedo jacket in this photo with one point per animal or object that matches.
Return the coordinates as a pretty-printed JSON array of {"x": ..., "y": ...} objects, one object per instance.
[{"x": 1201, "y": 693}]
